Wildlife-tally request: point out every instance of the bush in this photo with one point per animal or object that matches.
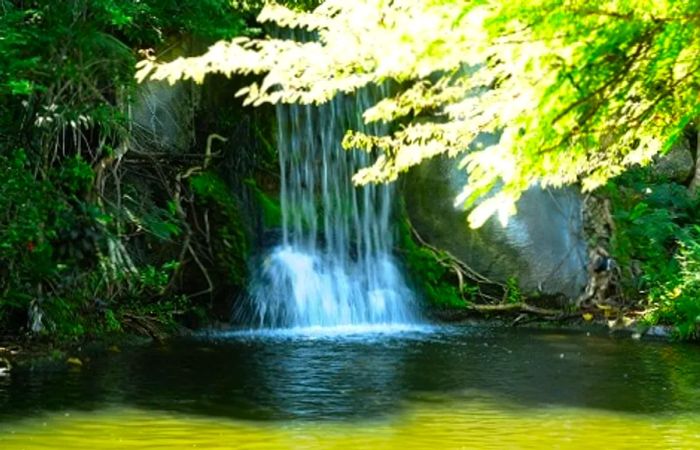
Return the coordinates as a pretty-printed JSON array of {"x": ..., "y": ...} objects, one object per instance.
[
  {"x": 657, "y": 244},
  {"x": 678, "y": 299}
]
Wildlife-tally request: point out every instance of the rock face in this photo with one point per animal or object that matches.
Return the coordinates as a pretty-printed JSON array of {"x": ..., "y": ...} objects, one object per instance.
[
  {"x": 163, "y": 116},
  {"x": 677, "y": 164},
  {"x": 542, "y": 246}
]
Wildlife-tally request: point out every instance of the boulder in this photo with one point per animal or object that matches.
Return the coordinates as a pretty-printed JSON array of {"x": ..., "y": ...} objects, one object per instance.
[
  {"x": 677, "y": 164},
  {"x": 542, "y": 246}
]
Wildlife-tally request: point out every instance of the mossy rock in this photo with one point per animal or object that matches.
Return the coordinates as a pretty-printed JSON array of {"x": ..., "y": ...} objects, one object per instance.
[{"x": 543, "y": 246}]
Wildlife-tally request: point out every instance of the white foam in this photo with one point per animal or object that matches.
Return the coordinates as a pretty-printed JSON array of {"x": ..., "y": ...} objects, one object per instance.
[{"x": 340, "y": 332}]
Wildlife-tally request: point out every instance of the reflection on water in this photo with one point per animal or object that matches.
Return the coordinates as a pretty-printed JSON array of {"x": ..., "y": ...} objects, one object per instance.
[
  {"x": 450, "y": 425},
  {"x": 415, "y": 388}
]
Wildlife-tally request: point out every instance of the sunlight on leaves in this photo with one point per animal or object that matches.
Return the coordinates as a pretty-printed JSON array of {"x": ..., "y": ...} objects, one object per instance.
[{"x": 578, "y": 90}]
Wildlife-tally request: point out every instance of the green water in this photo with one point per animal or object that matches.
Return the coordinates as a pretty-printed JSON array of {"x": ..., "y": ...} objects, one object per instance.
[{"x": 456, "y": 387}]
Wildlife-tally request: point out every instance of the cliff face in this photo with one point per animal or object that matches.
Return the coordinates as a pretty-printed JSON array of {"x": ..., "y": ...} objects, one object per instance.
[{"x": 542, "y": 246}]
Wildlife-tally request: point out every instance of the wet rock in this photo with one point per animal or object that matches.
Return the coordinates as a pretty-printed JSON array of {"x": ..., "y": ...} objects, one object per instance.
[
  {"x": 542, "y": 246},
  {"x": 677, "y": 164},
  {"x": 658, "y": 331}
]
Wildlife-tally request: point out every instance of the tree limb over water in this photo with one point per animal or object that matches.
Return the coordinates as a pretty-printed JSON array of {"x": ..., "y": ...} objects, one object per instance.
[{"x": 579, "y": 90}]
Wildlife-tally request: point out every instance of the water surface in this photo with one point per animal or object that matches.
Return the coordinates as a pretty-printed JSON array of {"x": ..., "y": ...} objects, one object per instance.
[{"x": 400, "y": 387}]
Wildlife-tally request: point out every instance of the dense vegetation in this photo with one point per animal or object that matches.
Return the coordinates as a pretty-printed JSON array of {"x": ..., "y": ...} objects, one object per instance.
[
  {"x": 102, "y": 228},
  {"x": 105, "y": 227},
  {"x": 657, "y": 245}
]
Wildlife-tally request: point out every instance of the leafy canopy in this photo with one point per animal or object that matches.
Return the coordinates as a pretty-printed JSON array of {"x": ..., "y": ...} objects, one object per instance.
[{"x": 577, "y": 90}]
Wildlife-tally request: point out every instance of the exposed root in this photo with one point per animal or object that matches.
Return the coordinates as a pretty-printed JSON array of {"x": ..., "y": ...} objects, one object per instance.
[
  {"x": 461, "y": 270},
  {"x": 182, "y": 214},
  {"x": 597, "y": 302},
  {"x": 145, "y": 325},
  {"x": 517, "y": 307}
]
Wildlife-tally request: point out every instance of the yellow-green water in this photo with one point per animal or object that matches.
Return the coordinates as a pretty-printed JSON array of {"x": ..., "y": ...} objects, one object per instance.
[
  {"x": 444, "y": 388},
  {"x": 481, "y": 425}
]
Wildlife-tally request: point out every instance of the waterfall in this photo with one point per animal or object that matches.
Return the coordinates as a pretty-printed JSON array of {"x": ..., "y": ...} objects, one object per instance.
[{"x": 334, "y": 266}]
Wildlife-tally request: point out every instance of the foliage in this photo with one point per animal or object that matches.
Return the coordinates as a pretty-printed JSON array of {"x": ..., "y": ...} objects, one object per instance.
[
  {"x": 89, "y": 236},
  {"x": 678, "y": 300},
  {"x": 30, "y": 218},
  {"x": 577, "y": 89},
  {"x": 656, "y": 244},
  {"x": 65, "y": 65},
  {"x": 513, "y": 293},
  {"x": 649, "y": 218}
]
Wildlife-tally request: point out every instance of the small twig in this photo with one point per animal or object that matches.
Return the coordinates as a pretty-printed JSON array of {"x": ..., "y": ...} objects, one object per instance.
[{"x": 210, "y": 289}]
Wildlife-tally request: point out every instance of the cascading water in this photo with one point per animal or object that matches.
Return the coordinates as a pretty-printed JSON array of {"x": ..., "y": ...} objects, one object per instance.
[{"x": 334, "y": 266}]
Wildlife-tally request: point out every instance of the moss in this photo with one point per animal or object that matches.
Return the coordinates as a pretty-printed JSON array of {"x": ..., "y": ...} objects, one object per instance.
[
  {"x": 230, "y": 240},
  {"x": 436, "y": 282},
  {"x": 513, "y": 294},
  {"x": 270, "y": 207}
]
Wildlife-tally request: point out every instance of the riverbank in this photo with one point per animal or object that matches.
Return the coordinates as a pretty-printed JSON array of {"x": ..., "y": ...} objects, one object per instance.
[
  {"x": 582, "y": 320},
  {"x": 24, "y": 352}
]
